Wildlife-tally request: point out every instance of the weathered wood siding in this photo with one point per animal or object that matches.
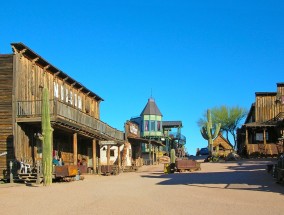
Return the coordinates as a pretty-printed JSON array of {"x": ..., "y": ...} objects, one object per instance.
[
  {"x": 31, "y": 76},
  {"x": 6, "y": 122},
  {"x": 265, "y": 107}
]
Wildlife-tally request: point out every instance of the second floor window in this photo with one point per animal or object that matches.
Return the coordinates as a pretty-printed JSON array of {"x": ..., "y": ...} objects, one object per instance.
[
  {"x": 146, "y": 128},
  {"x": 153, "y": 126}
]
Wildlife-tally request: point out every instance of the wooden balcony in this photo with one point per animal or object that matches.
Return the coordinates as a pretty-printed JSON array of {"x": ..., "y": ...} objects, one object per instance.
[{"x": 30, "y": 111}]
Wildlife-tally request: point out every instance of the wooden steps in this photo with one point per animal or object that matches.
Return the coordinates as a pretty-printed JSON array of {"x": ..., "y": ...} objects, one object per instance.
[{"x": 27, "y": 178}]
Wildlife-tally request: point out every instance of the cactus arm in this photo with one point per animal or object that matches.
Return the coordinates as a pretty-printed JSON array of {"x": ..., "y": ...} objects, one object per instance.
[
  {"x": 217, "y": 129},
  {"x": 204, "y": 133}
]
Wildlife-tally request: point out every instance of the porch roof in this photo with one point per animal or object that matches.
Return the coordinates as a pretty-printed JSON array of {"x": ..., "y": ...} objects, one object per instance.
[
  {"x": 146, "y": 141},
  {"x": 260, "y": 124}
]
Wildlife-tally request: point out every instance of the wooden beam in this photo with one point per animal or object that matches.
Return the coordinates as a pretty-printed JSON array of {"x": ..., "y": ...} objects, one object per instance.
[
  {"x": 150, "y": 147},
  {"x": 35, "y": 60},
  {"x": 23, "y": 51},
  {"x": 108, "y": 155},
  {"x": 153, "y": 154},
  {"x": 95, "y": 155},
  {"x": 247, "y": 146},
  {"x": 264, "y": 140},
  {"x": 46, "y": 67},
  {"x": 75, "y": 148},
  {"x": 118, "y": 158}
]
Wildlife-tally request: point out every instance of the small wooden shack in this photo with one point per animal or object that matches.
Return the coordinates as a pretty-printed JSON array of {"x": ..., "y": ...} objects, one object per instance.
[{"x": 222, "y": 145}]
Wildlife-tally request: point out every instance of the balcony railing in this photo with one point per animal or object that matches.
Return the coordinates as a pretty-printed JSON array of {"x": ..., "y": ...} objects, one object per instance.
[{"x": 32, "y": 109}]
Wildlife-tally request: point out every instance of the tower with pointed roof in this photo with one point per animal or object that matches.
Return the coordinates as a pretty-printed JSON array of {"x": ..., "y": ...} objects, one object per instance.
[{"x": 151, "y": 118}]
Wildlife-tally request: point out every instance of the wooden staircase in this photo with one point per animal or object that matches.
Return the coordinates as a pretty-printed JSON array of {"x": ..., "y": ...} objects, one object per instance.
[{"x": 27, "y": 178}]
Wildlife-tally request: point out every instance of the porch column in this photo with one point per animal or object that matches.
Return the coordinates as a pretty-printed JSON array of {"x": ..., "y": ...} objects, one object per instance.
[
  {"x": 75, "y": 148},
  {"x": 150, "y": 147},
  {"x": 247, "y": 146},
  {"x": 108, "y": 155},
  {"x": 264, "y": 140},
  {"x": 118, "y": 158},
  {"x": 153, "y": 155},
  {"x": 95, "y": 155},
  {"x": 158, "y": 158}
]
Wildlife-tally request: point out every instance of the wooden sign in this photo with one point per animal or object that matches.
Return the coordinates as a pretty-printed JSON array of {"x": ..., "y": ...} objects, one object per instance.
[{"x": 108, "y": 142}]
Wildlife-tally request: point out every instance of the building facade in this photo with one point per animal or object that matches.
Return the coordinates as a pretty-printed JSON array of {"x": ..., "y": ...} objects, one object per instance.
[
  {"x": 263, "y": 131},
  {"x": 74, "y": 109}
]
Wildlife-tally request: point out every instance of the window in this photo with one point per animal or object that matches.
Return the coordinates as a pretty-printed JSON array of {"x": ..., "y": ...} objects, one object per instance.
[
  {"x": 75, "y": 100},
  {"x": 66, "y": 96},
  {"x": 80, "y": 102},
  {"x": 62, "y": 93},
  {"x": 71, "y": 98},
  {"x": 55, "y": 88},
  {"x": 259, "y": 136},
  {"x": 153, "y": 126},
  {"x": 146, "y": 125},
  {"x": 159, "y": 126}
]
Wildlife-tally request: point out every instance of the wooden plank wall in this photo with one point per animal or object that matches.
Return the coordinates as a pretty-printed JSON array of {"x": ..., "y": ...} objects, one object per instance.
[
  {"x": 31, "y": 77},
  {"x": 265, "y": 107},
  {"x": 6, "y": 123}
]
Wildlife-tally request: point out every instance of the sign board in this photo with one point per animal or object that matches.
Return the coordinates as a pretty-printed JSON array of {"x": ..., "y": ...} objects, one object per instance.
[
  {"x": 108, "y": 142},
  {"x": 4, "y": 153}
]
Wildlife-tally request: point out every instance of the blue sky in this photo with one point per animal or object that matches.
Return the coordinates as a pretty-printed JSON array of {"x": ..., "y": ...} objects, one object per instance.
[{"x": 192, "y": 55}]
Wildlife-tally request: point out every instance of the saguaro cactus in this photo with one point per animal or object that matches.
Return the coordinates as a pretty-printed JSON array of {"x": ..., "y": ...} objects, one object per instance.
[
  {"x": 209, "y": 132},
  {"x": 46, "y": 139},
  {"x": 173, "y": 156}
]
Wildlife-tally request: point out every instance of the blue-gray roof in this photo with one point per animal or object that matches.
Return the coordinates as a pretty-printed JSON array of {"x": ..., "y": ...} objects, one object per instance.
[{"x": 151, "y": 109}]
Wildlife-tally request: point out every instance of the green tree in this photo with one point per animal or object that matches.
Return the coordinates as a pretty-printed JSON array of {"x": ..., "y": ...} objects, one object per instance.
[{"x": 229, "y": 117}]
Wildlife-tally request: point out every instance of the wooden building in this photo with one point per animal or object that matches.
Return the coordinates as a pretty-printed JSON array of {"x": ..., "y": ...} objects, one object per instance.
[
  {"x": 263, "y": 131},
  {"x": 75, "y": 112},
  {"x": 222, "y": 146}
]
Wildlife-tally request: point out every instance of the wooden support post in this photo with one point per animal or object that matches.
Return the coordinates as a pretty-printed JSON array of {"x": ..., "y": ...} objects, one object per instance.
[
  {"x": 150, "y": 147},
  {"x": 247, "y": 145},
  {"x": 108, "y": 155},
  {"x": 118, "y": 158},
  {"x": 153, "y": 154},
  {"x": 264, "y": 140},
  {"x": 11, "y": 172},
  {"x": 37, "y": 173},
  {"x": 95, "y": 156},
  {"x": 75, "y": 148},
  {"x": 158, "y": 155}
]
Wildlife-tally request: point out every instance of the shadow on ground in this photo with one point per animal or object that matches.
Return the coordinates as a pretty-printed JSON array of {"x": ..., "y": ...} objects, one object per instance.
[{"x": 249, "y": 176}]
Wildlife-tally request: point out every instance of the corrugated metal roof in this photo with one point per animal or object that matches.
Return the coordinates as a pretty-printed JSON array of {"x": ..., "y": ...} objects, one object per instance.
[{"x": 151, "y": 108}]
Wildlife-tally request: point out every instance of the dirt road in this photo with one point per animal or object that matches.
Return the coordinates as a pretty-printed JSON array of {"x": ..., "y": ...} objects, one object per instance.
[{"x": 219, "y": 188}]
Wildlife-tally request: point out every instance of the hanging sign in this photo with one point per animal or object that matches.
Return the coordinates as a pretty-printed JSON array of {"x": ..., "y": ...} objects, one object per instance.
[{"x": 107, "y": 142}]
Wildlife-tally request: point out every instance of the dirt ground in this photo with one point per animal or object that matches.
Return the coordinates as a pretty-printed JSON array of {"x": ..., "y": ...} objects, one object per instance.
[{"x": 219, "y": 188}]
